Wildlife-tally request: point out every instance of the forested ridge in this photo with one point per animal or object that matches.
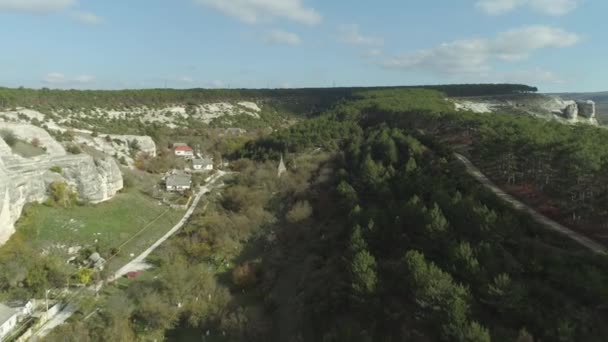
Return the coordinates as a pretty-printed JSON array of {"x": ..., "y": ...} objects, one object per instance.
[
  {"x": 377, "y": 233},
  {"x": 305, "y": 100}
]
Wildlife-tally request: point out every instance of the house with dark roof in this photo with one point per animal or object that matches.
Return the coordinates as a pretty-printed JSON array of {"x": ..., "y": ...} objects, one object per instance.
[
  {"x": 202, "y": 164},
  {"x": 178, "y": 182}
]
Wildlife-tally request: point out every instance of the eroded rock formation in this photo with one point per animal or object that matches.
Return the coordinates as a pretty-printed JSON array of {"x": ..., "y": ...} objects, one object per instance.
[
  {"x": 586, "y": 109},
  {"x": 26, "y": 180}
]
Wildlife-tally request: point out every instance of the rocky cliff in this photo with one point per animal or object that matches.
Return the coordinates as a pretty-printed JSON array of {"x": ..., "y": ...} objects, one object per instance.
[
  {"x": 538, "y": 105},
  {"x": 25, "y": 180}
]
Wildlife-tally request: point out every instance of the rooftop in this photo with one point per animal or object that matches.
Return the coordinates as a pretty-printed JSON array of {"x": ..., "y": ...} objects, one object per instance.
[
  {"x": 178, "y": 180},
  {"x": 183, "y": 148}
]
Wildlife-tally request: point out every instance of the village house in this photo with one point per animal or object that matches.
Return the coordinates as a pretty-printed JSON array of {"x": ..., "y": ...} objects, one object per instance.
[
  {"x": 235, "y": 131},
  {"x": 178, "y": 182},
  {"x": 202, "y": 164},
  {"x": 8, "y": 320},
  {"x": 183, "y": 150}
]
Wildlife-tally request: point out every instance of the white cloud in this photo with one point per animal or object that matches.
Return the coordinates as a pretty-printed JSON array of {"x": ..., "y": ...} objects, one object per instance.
[
  {"x": 59, "y": 79},
  {"x": 280, "y": 37},
  {"x": 350, "y": 34},
  {"x": 86, "y": 17},
  {"x": 475, "y": 56},
  {"x": 49, "y": 6},
  {"x": 549, "y": 7},
  {"x": 36, "y": 6},
  {"x": 255, "y": 11}
]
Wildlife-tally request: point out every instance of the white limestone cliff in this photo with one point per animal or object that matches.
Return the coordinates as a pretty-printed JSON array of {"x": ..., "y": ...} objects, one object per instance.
[{"x": 26, "y": 180}]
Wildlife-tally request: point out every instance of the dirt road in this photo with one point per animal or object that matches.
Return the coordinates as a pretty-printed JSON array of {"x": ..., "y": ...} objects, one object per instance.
[
  {"x": 137, "y": 264},
  {"x": 545, "y": 221}
]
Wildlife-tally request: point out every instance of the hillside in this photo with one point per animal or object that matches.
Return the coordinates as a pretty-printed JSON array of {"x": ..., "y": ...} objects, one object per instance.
[{"x": 376, "y": 232}]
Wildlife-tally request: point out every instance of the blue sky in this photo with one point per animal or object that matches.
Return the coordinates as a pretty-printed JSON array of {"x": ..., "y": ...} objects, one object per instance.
[{"x": 558, "y": 45}]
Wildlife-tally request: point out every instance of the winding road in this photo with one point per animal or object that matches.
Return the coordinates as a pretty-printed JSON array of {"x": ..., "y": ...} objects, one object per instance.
[
  {"x": 543, "y": 220},
  {"x": 137, "y": 264}
]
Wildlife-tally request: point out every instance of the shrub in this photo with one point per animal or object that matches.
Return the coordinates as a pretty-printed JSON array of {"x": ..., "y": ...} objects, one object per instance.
[
  {"x": 9, "y": 137},
  {"x": 56, "y": 169},
  {"x": 35, "y": 142},
  {"x": 62, "y": 195},
  {"x": 245, "y": 275},
  {"x": 134, "y": 144},
  {"x": 299, "y": 212},
  {"x": 73, "y": 149}
]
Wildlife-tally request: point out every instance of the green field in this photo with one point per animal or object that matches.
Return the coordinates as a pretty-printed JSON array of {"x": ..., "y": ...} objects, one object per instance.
[{"x": 130, "y": 222}]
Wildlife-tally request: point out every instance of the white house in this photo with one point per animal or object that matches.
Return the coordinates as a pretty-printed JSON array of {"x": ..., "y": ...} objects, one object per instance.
[
  {"x": 183, "y": 150},
  {"x": 178, "y": 182},
  {"x": 202, "y": 164},
  {"x": 8, "y": 320}
]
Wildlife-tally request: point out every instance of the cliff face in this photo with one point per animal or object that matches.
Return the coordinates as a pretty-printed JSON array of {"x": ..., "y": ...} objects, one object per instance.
[
  {"x": 538, "y": 105},
  {"x": 26, "y": 180}
]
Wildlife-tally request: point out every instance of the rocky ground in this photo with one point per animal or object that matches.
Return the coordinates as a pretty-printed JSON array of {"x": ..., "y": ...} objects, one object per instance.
[{"x": 170, "y": 116}]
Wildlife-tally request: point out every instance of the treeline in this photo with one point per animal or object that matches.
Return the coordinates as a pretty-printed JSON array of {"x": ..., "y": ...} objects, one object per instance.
[
  {"x": 342, "y": 122},
  {"x": 302, "y": 101}
]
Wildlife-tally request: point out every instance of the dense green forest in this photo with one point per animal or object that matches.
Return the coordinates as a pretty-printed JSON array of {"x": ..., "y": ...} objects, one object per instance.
[
  {"x": 377, "y": 233},
  {"x": 302, "y": 101}
]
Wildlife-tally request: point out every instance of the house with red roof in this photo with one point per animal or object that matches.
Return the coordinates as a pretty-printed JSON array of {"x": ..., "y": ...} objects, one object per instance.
[{"x": 183, "y": 150}]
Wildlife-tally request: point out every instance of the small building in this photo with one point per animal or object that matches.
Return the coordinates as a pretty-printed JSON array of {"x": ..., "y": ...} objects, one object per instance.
[
  {"x": 183, "y": 150},
  {"x": 202, "y": 164},
  {"x": 281, "y": 169},
  {"x": 178, "y": 182},
  {"x": 97, "y": 262},
  {"x": 8, "y": 320},
  {"x": 235, "y": 131}
]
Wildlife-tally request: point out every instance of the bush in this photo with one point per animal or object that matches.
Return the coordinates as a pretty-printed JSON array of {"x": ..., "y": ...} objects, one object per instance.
[
  {"x": 62, "y": 195},
  {"x": 35, "y": 142},
  {"x": 9, "y": 137},
  {"x": 299, "y": 212},
  {"x": 245, "y": 276},
  {"x": 73, "y": 149},
  {"x": 56, "y": 169},
  {"x": 134, "y": 144}
]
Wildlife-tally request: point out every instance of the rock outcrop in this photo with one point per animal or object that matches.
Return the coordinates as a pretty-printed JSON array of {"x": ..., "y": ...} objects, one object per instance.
[
  {"x": 571, "y": 111},
  {"x": 119, "y": 146},
  {"x": 586, "y": 109},
  {"x": 26, "y": 180},
  {"x": 537, "y": 105}
]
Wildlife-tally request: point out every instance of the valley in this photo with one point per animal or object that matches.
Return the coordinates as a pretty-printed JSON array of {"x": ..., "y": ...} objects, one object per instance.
[{"x": 342, "y": 216}]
